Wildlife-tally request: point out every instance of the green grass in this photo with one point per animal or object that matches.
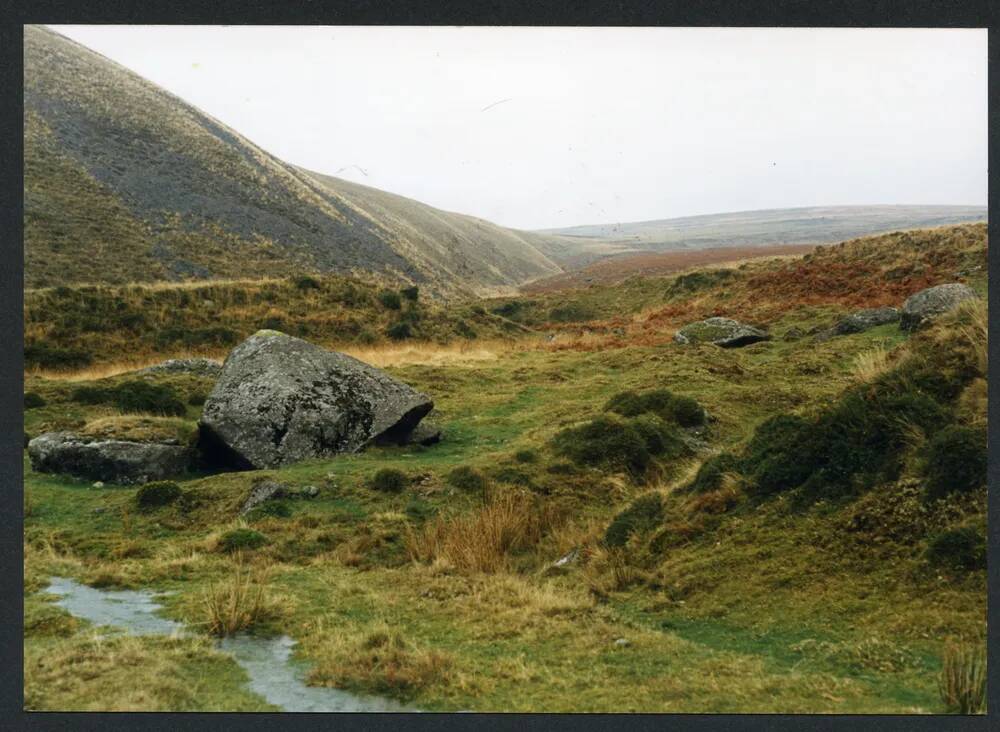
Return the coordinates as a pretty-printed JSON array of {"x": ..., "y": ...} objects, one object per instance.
[{"x": 731, "y": 604}]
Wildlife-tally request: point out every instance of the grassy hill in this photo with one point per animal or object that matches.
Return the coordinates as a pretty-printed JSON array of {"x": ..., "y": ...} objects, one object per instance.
[
  {"x": 125, "y": 182},
  {"x": 817, "y": 224},
  {"x": 717, "y": 565}
]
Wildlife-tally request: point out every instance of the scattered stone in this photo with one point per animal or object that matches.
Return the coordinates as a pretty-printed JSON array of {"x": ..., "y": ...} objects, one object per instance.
[
  {"x": 310, "y": 491},
  {"x": 921, "y": 308},
  {"x": 568, "y": 559},
  {"x": 99, "y": 510},
  {"x": 104, "y": 460},
  {"x": 622, "y": 642},
  {"x": 261, "y": 492},
  {"x": 196, "y": 366},
  {"x": 98, "y": 484},
  {"x": 862, "y": 320},
  {"x": 724, "y": 332},
  {"x": 280, "y": 399}
]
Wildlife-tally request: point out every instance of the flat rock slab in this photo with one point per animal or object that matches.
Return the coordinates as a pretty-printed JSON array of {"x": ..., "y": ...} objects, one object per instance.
[
  {"x": 281, "y": 399},
  {"x": 724, "y": 332},
  {"x": 924, "y": 306},
  {"x": 111, "y": 461}
]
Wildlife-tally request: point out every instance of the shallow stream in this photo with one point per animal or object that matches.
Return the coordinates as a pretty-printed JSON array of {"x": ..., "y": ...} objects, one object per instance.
[{"x": 274, "y": 675}]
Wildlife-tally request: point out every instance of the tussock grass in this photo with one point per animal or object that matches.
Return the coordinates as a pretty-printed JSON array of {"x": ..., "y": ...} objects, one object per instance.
[
  {"x": 240, "y": 602},
  {"x": 963, "y": 679},
  {"x": 870, "y": 365},
  {"x": 380, "y": 659},
  {"x": 484, "y": 539}
]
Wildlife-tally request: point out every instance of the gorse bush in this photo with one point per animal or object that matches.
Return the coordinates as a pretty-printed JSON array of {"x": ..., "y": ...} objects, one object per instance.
[
  {"x": 399, "y": 331},
  {"x": 390, "y": 299},
  {"x": 644, "y": 514},
  {"x": 956, "y": 461},
  {"x": 668, "y": 406},
  {"x": 605, "y": 442},
  {"x": 410, "y": 293},
  {"x": 239, "y": 539},
  {"x": 709, "y": 475},
  {"x": 133, "y": 396},
  {"x": 158, "y": 493},
  {"x": 961, "y": 548},
  {"x": 389, "y": 480},
  {"x": 41, "y": 355},
  {"x": 661, "y": 439},
  {"x": 780, "y": 455}
]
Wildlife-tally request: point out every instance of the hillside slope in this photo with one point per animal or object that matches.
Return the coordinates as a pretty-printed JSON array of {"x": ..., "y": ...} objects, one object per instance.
[
  {"x": 810, "y": 225},
  {"x": 125, "y": 182}
]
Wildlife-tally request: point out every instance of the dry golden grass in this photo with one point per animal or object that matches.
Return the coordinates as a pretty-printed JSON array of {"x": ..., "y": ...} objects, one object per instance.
[
  {"x": 239, "y": 602},
  {"x": 483, "y": 540},
  {"x": 124, "y": 365},
  {"x": 433, "y": 354},
  {"x": 963, "y": 679},
  {"x": 378, "y": 659},
  {"x": 869, "y": 365}
]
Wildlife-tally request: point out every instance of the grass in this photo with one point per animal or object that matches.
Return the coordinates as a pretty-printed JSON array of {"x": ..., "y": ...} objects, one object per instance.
[
  {"x": 241, "y": 602},
  {"x": 963, "y": 679},
  {"x": 445, "y": 594}
]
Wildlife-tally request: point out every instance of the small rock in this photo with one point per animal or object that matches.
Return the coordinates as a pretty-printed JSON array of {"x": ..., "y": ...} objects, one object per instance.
[
  {"x": 262, "y": 491},
  {"x": 99, "y": 510},
  {"x": 622, "y": 642},
  {"x": 310, "y": 491},
  {"x": 862, "y": 320},
  {"x": 568, "y": 559},
  {"x": 98, "y": 484}
]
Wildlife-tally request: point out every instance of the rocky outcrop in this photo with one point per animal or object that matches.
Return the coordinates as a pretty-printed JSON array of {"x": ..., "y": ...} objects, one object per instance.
[
  {"x": 195, "y": 366},
  {"x": 921, "y": 308},
  {"x": 109, "y": 460},
  {"x": 280, "y": 399},
  {"x": 723, "y": 332}
]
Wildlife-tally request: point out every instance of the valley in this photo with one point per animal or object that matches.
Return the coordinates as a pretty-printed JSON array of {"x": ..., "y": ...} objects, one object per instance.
[{"x": 486, "y": 575}]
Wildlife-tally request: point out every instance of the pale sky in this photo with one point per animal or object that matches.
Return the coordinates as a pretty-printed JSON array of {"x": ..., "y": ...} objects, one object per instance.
[{"x": 546, "y": 127}]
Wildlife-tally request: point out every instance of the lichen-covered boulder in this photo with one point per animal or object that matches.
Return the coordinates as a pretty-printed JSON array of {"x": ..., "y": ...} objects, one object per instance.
[
  {"x": 724, "y": 332},
  {"x": 109, "y": 460},
  {"x": 921, "y": 308},
  {"x": 280, "y": 399}
]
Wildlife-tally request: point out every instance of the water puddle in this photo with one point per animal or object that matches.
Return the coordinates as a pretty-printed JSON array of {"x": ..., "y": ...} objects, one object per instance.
[{"x": 274, "y": 675}]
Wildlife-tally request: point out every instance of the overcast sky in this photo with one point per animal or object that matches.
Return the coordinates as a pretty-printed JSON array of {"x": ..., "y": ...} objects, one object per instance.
[{"x": 533, "y": 128}]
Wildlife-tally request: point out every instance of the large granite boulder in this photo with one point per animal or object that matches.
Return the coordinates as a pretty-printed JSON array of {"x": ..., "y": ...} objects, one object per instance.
[
  {"x": 280, "y": 399},
  {"x": 921, "y": 308},
  {"x": 109, "y": 460},
  {"x": 723, "y": 332}
]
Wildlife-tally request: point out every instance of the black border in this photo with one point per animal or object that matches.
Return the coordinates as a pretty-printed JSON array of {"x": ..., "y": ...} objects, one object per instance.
[{"x": 801, "y": 13}]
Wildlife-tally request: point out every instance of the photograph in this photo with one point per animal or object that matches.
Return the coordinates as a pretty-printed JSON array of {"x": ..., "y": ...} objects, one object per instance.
[{"x": 503, "y": 369}]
